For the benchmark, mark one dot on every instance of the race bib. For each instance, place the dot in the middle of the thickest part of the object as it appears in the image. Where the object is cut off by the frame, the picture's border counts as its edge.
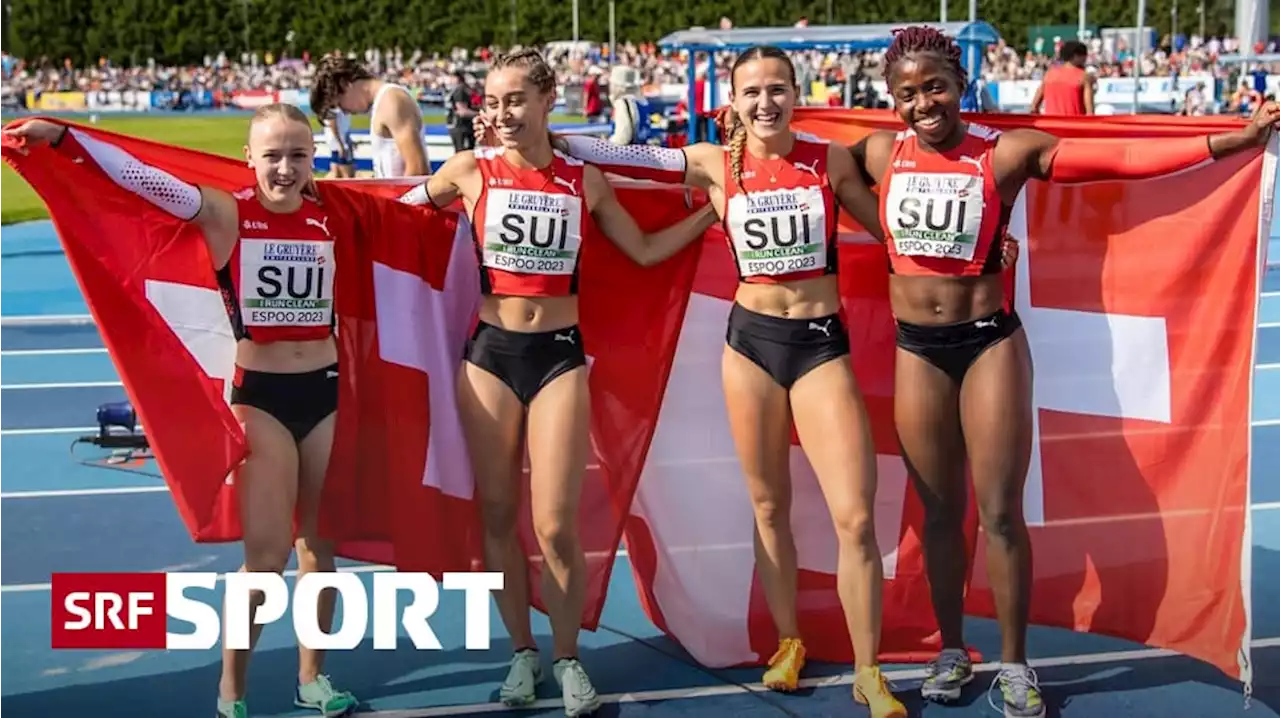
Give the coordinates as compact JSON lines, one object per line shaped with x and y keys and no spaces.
{"x":286,"y":282}
{"x":778,"y":231}
{"x":532,"y":232}
{"x":934,"y":215}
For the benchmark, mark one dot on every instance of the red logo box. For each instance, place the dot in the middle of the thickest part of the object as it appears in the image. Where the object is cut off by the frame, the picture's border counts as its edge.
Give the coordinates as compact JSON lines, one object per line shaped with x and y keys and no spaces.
{"x":108,"y":610}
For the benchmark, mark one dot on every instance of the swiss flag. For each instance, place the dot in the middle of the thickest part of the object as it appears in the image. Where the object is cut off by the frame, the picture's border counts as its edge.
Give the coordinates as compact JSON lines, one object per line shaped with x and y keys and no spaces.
{"x":696,"y":568}
{"x":399,"y":488}
{"x":1139,"y":302}
{"x":149,"y":284}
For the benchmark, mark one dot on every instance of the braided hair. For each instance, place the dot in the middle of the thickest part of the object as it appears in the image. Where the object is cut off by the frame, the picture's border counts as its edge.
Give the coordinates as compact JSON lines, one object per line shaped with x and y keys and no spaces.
{"x":537,"y":73}
{"x":540,"y":74}
{"x":735,"y":131}
{"x":920,"y":39}
{"x":334,"y":74}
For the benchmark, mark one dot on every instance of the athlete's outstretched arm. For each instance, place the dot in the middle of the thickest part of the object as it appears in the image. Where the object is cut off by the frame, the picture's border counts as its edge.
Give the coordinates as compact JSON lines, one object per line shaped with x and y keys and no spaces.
{"x":456,"y":178}
{"x":1032,"y":154}
{"x":851,"y":191}
{"x":691,"y":165}
{"x":688,"y":165}
{"x":209,"y":208}
{"x":622,"y":230}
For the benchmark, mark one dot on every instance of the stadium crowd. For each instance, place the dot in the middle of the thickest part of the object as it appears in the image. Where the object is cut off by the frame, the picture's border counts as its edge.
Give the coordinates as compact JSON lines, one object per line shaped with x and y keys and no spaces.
{"x":433,"y":75}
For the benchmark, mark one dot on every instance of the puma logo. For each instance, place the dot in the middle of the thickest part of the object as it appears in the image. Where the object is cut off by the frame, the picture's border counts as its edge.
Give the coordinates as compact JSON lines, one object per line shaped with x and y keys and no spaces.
{"x":975,"y":161}
{"x":312,"y":221}
{"x":824,"y":327}
{"x":985,"y":324}
{"x":811,"y":168}
{"x":564,"y":338}
{"x":566,"y":183}
{"x":331,"y":374}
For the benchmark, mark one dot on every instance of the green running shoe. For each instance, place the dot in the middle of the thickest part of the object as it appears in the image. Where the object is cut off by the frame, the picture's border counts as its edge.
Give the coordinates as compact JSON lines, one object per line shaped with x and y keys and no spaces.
{"x":232,"y":709}
{"x":320,"y":695}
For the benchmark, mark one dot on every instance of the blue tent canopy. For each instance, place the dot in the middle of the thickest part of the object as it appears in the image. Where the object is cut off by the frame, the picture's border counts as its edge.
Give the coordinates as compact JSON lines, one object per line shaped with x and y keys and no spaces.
{"x":972,"y":37}
{"x":821,"y":37}
{"x":1237,"y":58}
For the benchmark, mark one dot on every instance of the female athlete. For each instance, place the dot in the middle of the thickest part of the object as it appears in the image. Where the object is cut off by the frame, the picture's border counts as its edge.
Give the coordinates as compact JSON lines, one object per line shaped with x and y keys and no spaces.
{"x":285,"y":391}
{"x":787,"y":353}
{"x":525,"y":370}
{"x":963,"y":372}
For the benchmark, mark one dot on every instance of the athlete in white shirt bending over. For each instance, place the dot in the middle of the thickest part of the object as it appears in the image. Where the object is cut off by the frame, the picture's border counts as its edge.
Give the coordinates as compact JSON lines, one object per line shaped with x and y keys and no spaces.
{"x":395,"y":121}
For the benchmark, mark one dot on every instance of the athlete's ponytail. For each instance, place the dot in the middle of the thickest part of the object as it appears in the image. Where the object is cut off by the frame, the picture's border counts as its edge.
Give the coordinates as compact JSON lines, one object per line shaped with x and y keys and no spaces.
{"x":737,"y":146}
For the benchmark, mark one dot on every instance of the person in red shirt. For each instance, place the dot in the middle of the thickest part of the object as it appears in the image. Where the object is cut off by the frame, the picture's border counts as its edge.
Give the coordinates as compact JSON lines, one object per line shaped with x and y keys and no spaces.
{"x":524,"y":377}
{"x":786,"y":355}
{"x":592,"y":101}
{"x":963,"y":373}
{"x":1067,"y":88}
{"x":272,"y":248}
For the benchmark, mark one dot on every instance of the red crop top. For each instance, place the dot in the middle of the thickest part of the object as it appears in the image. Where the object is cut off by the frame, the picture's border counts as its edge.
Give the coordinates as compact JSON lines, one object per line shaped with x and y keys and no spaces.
{"x":941,"y":211}
{"x":278,"y":284}
{"x":781,"y":223}
{"x":529,"y":225}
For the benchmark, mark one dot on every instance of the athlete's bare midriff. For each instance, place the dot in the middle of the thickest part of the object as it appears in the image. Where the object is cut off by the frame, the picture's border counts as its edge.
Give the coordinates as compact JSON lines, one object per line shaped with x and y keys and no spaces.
{"x":529,"y":314}
{"x":801,"y":299}
{"x":286,"y":357}
{"x":945,"y":300}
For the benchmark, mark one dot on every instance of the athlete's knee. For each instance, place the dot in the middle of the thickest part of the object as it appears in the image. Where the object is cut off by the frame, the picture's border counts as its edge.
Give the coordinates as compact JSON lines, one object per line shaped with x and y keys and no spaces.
{"x":1002,"y":519}
{"x":267,"y":556}
{"x":943,"y":519}
{"x":772,"y":509}
{"x":557,"y":535}
{"x":499,"y":516}
{"x":855,"y":529}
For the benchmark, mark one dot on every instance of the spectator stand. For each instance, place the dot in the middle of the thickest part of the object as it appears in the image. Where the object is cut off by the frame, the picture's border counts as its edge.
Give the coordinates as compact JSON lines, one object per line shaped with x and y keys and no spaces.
{"x":972,"y":36}
{"x":1242,"y":66}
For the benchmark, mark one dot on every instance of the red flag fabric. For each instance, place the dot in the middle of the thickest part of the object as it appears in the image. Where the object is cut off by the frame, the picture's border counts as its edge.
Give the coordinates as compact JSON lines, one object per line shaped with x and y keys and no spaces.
{"x":1143,"y":351}
{"x":406,"y":291}
{"x":1139,"y":302}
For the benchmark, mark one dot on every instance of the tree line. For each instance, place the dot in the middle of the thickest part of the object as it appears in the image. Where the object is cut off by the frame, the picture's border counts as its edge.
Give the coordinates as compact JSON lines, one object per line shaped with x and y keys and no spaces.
{"x":171,"y":32}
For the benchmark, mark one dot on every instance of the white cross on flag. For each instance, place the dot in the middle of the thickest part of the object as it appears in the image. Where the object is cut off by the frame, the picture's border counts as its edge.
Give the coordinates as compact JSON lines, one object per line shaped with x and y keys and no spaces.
{"x":399,"y":486}
{"x":1138,"y":301}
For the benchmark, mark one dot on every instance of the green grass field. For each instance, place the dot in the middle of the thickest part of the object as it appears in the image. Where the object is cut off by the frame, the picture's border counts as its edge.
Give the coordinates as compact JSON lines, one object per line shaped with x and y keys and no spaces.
{"x":223,"y":135}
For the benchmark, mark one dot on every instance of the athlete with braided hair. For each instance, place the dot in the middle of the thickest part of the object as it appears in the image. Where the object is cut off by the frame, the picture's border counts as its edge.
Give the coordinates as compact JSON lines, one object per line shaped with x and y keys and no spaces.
{"x":524,"y":378}
{"x":963,"y":373}
{"x":786,"y":358}
{"x":395,"y":120}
